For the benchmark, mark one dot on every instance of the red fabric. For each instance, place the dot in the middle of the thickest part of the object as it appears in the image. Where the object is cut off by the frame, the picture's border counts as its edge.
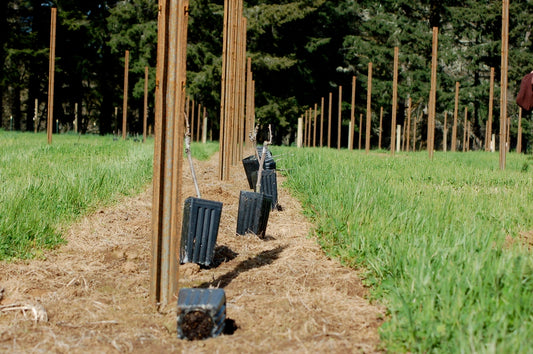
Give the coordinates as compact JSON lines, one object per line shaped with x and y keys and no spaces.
{"x":525,"y":95}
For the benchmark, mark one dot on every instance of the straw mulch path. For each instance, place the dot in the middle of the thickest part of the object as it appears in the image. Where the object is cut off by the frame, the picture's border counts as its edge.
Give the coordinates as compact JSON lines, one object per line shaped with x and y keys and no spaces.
{"x":92,"y":294}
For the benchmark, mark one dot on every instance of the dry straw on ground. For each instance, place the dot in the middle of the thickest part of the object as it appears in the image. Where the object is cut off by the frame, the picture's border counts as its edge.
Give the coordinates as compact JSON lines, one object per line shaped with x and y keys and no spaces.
{"x":283,"y":293}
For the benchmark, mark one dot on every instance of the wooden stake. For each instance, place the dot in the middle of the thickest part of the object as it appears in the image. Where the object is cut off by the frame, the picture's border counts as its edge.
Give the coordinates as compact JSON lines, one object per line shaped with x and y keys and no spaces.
{"x":117,"y":127}
{"x":445,"y":137}
{"x":368,"y":108}
{"x":192,"y":119}
{"x":329,"y":118}
{"x":503,"y":84}
{"x":508,"y":145}
{"x":76,"y":120}
{"x":241,"y":85}
{"x":145,"y":111}
{"x":249,"y":112}
{"x":408,"y":130}
{"x":168,"y":149}
{"x":455,"y":118}
{"x":125,"y":95}
{"x":300,"y":133}
{"x":204,"y":127}
{"x":305,"y":129}
{"x":360,"y":130}
{"x":234,"y":28}
{"x":404,"y":138}
{"x":414,"y":130}
{"x":321,"y":120}
{"x":314,"y":127}
{"x":398,"y":136}
{"x":352,"y":116}
{"x":51,"y":75}
{"x":488,"y":131}
{"x":222,"y":160}
{"x":394,"y":101}
{"x":433,"y":95}
{"x":198,"y":120}
{"x":339,"y":121}
{"x":465,"y":129}
{"x":310,"y":142}
{"x":468,"y":127}
{"x":36,"y":115}
{"x":519,"y":137}
{"x":309,"y":126}
{"x":380,"y":127}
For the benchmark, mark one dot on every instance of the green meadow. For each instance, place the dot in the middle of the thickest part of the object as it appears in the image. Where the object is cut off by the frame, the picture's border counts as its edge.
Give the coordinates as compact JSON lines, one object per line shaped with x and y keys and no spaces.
{"x":434,"y":238}
{"x":430,"y":236}
{"x":44,"y":188}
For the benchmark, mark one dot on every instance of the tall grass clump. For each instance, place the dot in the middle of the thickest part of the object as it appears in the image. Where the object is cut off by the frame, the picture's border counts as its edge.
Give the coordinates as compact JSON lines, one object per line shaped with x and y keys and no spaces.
{"x":433,"y":237}
{"x":202,"y":151}
{"x":43,"y":187}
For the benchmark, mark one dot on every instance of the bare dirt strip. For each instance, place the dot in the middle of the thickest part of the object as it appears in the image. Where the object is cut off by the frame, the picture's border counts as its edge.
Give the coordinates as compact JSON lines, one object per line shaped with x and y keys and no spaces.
{"x":92,"y":294}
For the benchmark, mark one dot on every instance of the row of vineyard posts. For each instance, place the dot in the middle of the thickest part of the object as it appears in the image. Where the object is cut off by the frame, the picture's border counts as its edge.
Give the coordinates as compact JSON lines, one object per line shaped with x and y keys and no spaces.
{"x":196,"y":128}
{"x":315,"y":125}
{"x":237,"y":103}
{"x":237,"y":120}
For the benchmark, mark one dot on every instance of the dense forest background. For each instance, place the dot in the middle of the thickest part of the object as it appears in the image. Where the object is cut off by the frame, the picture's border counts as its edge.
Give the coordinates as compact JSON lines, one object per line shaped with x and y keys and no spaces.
{"x":301,"y":51}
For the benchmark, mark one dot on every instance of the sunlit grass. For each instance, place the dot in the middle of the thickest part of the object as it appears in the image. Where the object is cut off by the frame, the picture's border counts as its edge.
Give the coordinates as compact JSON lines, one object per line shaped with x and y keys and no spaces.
{"x":204,"y":152}
{"x":45,"y":186}
{"x":430,"y":235}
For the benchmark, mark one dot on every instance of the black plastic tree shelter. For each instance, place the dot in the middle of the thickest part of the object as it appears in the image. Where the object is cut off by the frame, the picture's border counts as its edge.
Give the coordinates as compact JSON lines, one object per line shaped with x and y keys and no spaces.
{"x":201,"y":220}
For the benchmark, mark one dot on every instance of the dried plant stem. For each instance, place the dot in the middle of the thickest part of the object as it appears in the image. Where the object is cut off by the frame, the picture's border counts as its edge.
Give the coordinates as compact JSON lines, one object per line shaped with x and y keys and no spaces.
{"x":189,"y":156}
{"x":262,"y":160}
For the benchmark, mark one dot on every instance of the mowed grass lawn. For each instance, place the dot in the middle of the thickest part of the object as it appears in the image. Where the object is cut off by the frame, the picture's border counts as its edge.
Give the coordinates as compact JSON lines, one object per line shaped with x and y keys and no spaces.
{"x":441,"y":241}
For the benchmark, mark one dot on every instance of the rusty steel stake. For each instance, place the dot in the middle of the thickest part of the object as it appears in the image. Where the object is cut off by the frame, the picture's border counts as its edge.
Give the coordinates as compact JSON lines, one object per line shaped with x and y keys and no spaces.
{"x":394,"y":100}
{"x":145,"y":111}
{"x":352,"y":116}
{"x":51,"y":74}
{"x":488,"y":133}
{"x":503,"y":83}
{"x":321,"y":120}
{"x":168,"y":149}
{"x":368,"y":108}
{"x":125,"y":97}
{"x":432,"y":95}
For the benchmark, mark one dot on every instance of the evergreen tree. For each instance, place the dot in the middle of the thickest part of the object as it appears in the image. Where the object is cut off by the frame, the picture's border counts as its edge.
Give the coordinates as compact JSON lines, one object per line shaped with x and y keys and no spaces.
{"x":204,"y":56}
{"x":133,"y":26}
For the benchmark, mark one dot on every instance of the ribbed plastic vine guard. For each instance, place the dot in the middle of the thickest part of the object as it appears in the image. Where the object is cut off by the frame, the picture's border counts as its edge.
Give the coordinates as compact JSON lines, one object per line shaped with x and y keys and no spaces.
{"x":254,"y":210}
{"x":201,"y":219}
{"x":269,"y":185}
{"x":251,"y":166}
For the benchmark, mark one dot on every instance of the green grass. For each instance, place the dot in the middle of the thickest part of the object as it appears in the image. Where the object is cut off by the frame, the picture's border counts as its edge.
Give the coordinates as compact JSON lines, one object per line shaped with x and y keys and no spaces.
{"x":430,"y":236}
{"x":204,"y":152}
{"x":45,"y":187}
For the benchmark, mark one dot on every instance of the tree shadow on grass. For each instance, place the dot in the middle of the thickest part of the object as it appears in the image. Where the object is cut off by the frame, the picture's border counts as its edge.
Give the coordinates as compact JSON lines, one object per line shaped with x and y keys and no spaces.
{"x":262,"y":259}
